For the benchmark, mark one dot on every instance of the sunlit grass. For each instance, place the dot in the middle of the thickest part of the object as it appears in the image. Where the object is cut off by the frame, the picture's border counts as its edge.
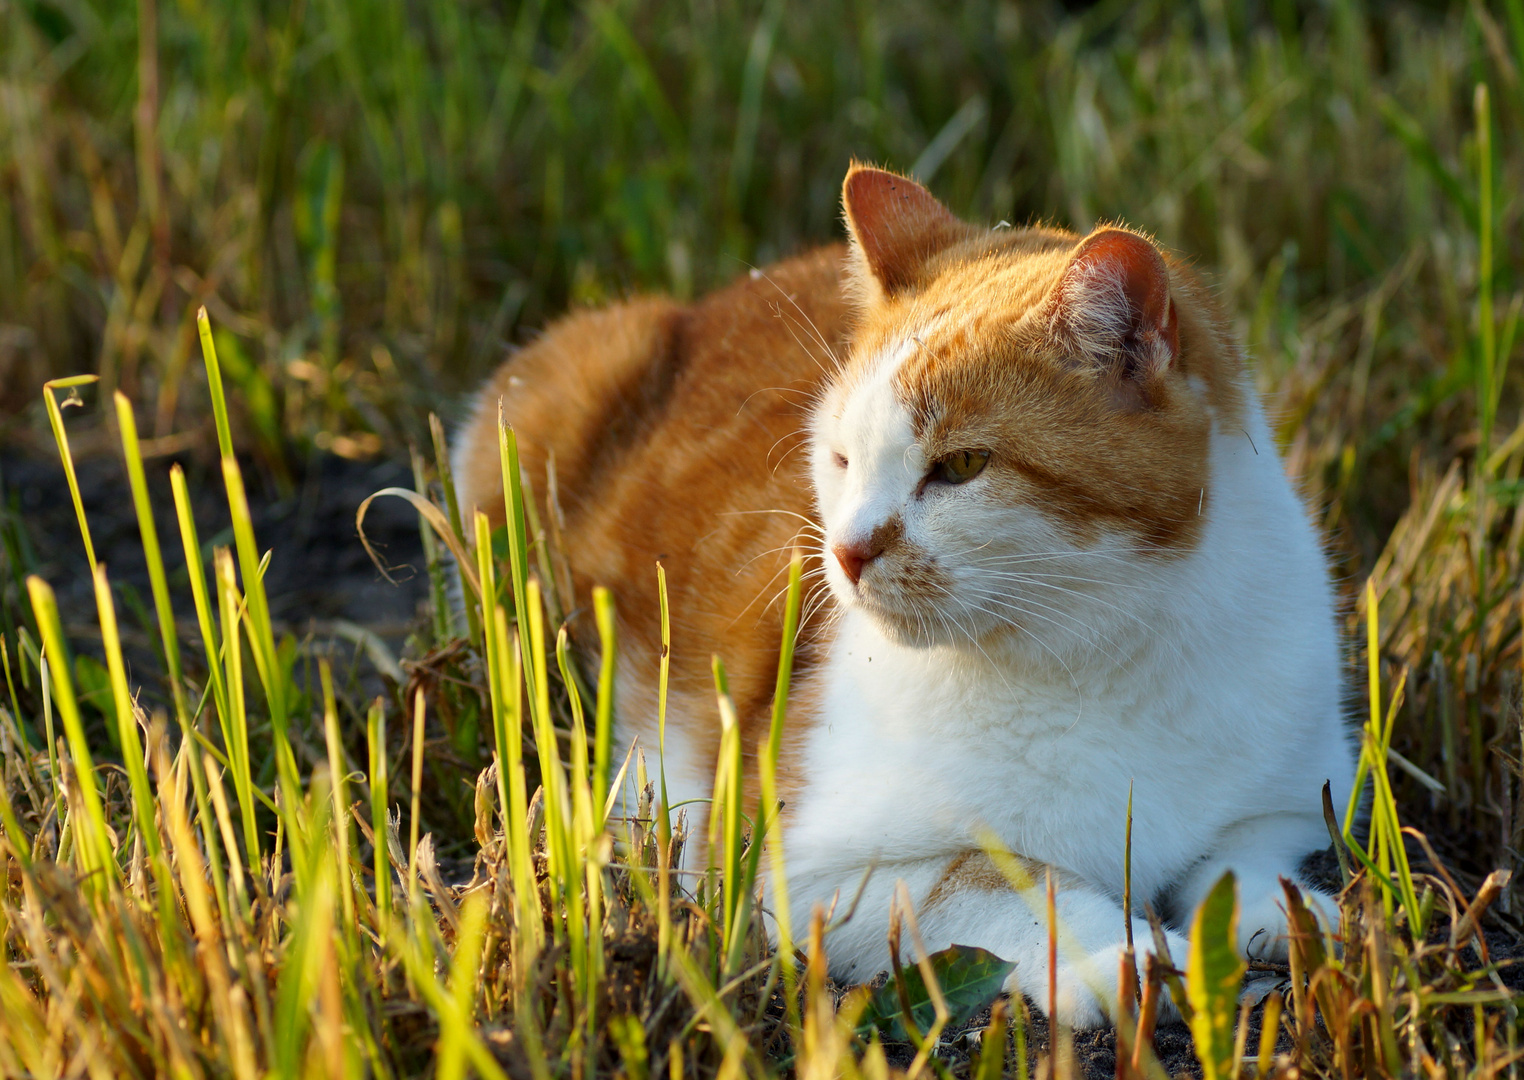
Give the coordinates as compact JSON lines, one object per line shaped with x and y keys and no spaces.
{"x":301,"y":963}
{"x":218,"y":862}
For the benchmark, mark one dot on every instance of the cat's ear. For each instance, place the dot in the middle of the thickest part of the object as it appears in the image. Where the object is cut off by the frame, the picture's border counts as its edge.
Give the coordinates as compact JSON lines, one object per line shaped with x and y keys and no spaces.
{"x":1112,"y":307}
{"x":896,"y":225}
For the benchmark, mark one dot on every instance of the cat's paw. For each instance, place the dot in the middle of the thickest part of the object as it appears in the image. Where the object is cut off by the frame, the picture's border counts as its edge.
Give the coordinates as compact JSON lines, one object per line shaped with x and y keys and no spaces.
{"x":1087,"y":987}
{"x":1087,"y":991}
{"x":1263,"y":933}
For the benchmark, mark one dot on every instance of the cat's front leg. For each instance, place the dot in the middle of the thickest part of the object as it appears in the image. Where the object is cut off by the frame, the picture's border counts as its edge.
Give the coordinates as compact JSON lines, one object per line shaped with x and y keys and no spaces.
{"x":1260,"y":852}
{"x":975,"y":902}
{"x":965,"y":899}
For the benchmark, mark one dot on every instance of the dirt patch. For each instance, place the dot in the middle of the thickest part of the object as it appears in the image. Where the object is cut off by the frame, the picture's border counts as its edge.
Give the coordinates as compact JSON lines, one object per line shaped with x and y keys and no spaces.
{"x":319,"y":572}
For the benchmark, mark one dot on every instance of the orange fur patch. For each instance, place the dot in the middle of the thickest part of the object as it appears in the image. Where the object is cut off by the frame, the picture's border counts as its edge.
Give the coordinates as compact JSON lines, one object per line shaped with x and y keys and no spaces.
{"x":972,"y":871}
{"x":679,"y":436}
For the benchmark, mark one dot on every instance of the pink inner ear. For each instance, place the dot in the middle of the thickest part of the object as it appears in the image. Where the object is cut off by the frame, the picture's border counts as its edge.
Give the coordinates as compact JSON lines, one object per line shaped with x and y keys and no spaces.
{"x":896,"y":223}
{"x":1133,"y":262}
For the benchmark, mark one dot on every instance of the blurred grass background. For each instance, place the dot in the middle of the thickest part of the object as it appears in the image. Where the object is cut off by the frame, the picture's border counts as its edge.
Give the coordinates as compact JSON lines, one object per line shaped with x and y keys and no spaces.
{"x":375,"y":199}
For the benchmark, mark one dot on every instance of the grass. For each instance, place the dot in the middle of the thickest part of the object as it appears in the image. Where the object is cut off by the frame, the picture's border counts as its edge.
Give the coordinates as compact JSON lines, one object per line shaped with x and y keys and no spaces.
{"x":238,"y":867}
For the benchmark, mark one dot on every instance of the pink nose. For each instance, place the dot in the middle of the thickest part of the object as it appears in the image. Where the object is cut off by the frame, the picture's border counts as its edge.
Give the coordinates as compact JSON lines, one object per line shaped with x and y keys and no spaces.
{"x":854,"y":556}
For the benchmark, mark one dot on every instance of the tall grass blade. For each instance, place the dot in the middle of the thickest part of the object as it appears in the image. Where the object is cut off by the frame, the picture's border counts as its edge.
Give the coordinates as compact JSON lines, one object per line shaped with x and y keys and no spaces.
{"x":133,"y":760}
{"x":769,"y":813}
{"x":380,"y":794}
{"x":55,"y":420}
{"x":518,"y":549}
{"x":338,"y":779}
{"x":169,"y":635}
{"x":91,"y":836}
{"x":214,"y":384}
{"x":235,"y":729}
{"x":603,"y":724}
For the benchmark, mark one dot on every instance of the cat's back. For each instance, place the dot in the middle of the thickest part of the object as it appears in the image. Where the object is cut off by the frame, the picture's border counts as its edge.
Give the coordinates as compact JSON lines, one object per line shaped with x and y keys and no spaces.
{"x":676,"y":433}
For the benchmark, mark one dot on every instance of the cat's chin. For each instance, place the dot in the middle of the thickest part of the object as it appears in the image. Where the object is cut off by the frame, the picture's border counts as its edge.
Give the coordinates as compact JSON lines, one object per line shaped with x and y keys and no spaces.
{"x":911,"y":631}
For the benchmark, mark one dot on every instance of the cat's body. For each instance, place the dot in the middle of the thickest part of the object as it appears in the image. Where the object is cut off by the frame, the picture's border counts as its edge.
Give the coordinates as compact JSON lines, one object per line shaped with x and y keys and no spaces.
{"x":1061,"y":558}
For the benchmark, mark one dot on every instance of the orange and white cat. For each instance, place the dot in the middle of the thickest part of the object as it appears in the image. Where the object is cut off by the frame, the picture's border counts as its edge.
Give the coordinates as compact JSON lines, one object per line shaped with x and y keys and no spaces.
{"x":1055,"y":551}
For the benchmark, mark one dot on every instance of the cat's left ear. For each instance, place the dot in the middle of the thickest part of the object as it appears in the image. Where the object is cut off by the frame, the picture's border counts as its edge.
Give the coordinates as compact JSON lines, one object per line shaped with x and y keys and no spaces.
{"x":896,"y":225}
{"x":1112,"y":307}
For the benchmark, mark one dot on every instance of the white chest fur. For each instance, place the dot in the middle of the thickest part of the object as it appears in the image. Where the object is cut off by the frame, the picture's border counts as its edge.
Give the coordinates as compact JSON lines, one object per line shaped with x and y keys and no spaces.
{"x":1218,"y":699}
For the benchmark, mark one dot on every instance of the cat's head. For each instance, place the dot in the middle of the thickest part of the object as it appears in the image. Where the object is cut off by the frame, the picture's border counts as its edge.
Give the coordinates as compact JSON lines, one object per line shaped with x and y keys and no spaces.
{"x":1021,"y":427}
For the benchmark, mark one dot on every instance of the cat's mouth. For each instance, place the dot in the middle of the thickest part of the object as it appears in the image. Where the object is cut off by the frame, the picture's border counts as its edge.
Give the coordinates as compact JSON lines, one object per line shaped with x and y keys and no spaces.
{"x":906,"y":604}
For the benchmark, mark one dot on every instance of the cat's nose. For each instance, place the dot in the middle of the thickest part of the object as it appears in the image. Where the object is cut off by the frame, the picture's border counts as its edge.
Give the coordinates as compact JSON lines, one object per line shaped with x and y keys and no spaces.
{"x":853,"y":557}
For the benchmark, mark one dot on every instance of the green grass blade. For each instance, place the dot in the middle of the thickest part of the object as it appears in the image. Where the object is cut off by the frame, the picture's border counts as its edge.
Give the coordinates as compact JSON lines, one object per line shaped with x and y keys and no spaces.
{"x":169,"y":634}
{"x":455,"y":1034}
{"x":1486,"y":320}
{"x":143,"y":803}
{"x":20,"y":845}
{"x":603,"y":737}
{"x":664,"y":817}
{"x":337,"y":774}
{"x":214,"y":384}
{"x":526,"y":889}
{"x":55,"y":421}
{"x":235,"y":731}
{"x":577,"y":775}
{"x":518,"y":551}
{"x":256,"y":619}
{"x":768,"y":813}
{"x":493,"y":627}
{"x":664,"y":805}
{"x":375,"y":737}
{"x":414,"y":898}
{"x":91,"y":836}
{"x":456,"y":1030}
{"x":196,"y":570}
{"x":149,"y":535}
{"x":10,"y":686}
{"x":310,"y":950}
{"x":452,"y":510}
{"x":260,"y":634}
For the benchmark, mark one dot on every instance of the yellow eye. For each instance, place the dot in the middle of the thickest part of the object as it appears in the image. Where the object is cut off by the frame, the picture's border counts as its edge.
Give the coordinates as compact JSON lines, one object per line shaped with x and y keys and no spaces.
{"x":961,"y":466}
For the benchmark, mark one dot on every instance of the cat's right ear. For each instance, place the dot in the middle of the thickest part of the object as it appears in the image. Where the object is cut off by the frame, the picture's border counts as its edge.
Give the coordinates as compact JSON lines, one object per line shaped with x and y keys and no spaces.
{"x":1112,"y":308}
{"x":895,"y":225}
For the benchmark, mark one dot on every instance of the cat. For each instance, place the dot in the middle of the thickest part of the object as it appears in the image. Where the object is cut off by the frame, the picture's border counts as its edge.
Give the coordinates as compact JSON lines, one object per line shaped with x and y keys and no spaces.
{"x":1054,"y":557}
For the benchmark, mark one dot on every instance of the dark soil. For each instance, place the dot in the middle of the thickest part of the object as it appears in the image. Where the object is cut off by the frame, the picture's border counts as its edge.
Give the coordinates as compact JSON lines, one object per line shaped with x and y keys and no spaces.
{"x":319,"y":572}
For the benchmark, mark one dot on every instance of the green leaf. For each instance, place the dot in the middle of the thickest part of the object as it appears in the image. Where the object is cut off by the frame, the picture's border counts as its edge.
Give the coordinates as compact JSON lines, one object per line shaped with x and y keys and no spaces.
{"x":1212,"y":977}
{"x":970,"y":979}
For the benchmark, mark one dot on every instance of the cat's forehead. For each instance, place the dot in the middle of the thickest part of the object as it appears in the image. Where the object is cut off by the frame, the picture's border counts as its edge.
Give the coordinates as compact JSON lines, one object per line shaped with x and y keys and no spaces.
{"x":975,"y":307}
{"x":873,"y":415}
{"x":972,"y":287}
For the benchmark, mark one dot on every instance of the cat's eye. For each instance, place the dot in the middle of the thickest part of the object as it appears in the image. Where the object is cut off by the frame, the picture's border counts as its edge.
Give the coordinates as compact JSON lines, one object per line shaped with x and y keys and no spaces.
{"x":840,"y":460}
{"x":960,"y":466}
